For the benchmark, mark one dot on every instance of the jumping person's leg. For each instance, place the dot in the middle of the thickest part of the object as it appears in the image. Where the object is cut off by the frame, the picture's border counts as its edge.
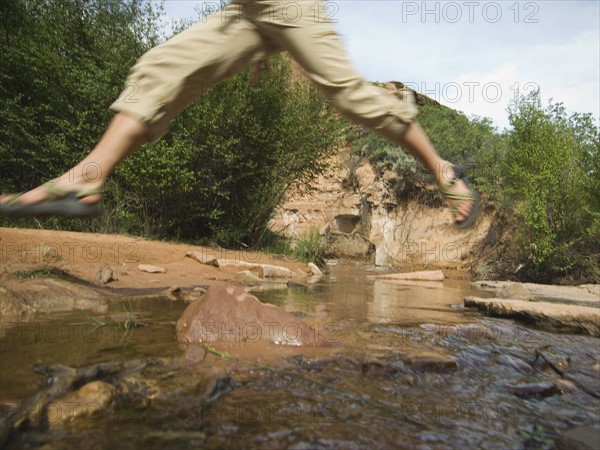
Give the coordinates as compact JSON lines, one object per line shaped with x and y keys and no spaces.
{"x":121,"y":138}
{"x":162,"y":83}
{"x":314,"y":43}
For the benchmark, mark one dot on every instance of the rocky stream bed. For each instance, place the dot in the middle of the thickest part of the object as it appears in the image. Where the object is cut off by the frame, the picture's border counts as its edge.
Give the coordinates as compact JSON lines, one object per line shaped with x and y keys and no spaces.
{"x":348,"y":361}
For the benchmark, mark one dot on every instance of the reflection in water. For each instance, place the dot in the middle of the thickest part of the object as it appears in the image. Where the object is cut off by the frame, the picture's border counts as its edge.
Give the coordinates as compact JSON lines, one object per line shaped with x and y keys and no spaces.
{"x":426,"y":302}
{"x":354,"y":297}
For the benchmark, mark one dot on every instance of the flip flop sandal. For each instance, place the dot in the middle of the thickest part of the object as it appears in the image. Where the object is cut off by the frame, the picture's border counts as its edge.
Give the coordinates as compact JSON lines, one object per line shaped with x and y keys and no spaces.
{"x":60,"y":203}
{"x":472,"y":196}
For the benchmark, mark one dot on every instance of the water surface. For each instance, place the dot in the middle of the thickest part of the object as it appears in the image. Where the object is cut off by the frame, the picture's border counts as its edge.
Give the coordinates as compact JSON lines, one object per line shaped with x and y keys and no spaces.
{"x":358,"y":393}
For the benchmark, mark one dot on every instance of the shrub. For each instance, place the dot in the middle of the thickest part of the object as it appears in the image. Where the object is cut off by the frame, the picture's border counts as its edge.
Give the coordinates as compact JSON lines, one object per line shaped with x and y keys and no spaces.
{"x":552,"y":173}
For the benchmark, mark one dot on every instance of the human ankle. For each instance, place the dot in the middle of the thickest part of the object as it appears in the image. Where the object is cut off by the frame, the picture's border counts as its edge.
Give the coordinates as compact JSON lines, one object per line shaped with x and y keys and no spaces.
{"x":89,"y":173}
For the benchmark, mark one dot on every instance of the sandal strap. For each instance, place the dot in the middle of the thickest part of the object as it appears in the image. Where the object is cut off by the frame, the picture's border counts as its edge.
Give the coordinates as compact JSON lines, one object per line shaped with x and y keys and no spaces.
{"x":54,"y":192}
{"x":460,"y":198}
{"x":13,"y":200}
{"x":457,"y":196}
{"x":87,"y":192}
{"x":458,"y":173}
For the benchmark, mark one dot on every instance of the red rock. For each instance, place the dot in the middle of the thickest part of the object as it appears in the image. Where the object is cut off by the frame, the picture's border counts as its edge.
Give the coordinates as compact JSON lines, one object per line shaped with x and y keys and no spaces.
{"x":227,"y":313}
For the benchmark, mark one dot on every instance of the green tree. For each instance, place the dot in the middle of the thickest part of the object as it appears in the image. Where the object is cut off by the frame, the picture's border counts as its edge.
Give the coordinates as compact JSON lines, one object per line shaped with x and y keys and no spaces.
{"x":218,"y":174}
{"x":232,"y":155}
{"x":551,"y":171}
{"x":62,"y":62}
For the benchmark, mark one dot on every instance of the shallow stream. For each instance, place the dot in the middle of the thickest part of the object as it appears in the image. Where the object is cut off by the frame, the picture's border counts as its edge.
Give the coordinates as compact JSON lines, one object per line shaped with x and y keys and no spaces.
{"x":362,"y":391}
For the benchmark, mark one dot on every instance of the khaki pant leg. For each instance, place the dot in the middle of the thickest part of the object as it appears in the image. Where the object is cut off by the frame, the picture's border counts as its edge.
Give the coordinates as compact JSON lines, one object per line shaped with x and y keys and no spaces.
{"x":312,"y":40}
{"x":170,"y":76}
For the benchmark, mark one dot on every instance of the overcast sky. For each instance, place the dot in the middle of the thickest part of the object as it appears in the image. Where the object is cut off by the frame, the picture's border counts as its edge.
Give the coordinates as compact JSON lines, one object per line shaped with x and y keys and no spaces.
{"x":474,"y":56}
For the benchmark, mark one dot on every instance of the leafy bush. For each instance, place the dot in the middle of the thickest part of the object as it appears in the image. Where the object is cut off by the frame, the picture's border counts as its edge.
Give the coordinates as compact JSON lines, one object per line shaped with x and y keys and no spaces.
{"x":472,"y":142}
{"x":62,"y":62}
{"x":218,"y":175}
{"x":231,"y":157}
{"x":552,"y":173}
{"x":544,"y":172}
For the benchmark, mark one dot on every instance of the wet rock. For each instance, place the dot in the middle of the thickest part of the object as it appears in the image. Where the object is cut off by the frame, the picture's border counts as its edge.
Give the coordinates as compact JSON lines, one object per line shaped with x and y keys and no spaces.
{"x":315,"y":270}
{"x":173,"y":293}
{"x":51,"y":295}
{"x":532,"y":390}
{"x":585,"y":295}
{"x":151,"y":269}
{"x":425,"y":275}
{"x":549,"y":316}
{"x":193,"y":354}
{"x":258,"y":271}
{"x":380,"y":369}
{"x":227,"y":313}
{"x":213,"y":383}
{"x":203,"y":258}
{"x":247,"y":277}
{"x":268,"y":270}
{"x":431,"y":362}
{"x":90,"y":401}
{"x":137,"y":391}
{"x":578,"y":438}
{"x":105,"y":275}
{"x":196,"y":294}
{"x":574,"y":295}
